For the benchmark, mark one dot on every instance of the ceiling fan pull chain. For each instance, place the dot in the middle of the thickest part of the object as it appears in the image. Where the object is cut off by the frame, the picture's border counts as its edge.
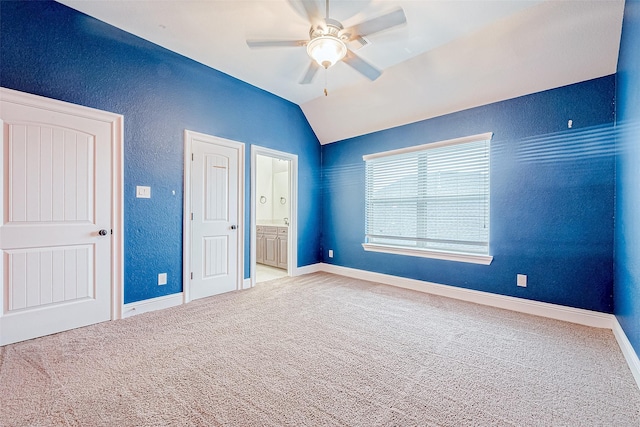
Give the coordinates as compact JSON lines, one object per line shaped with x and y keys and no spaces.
{"x":325,"y":83}
{"x":327,"y":9}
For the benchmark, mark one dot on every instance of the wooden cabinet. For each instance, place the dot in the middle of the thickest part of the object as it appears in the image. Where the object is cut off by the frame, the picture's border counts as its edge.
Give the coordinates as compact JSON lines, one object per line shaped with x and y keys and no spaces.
{"x":282,"y":246}
{"x":260,"y":245}
{"x":272,"y":245}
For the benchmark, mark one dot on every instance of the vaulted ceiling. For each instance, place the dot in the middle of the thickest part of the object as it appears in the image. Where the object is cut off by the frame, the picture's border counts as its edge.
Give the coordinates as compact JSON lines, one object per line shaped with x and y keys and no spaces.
{"x":450,"y":55}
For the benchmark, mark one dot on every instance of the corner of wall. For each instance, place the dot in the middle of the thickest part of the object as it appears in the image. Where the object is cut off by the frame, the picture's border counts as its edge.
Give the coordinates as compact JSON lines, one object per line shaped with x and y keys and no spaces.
{"x":627,"y":350}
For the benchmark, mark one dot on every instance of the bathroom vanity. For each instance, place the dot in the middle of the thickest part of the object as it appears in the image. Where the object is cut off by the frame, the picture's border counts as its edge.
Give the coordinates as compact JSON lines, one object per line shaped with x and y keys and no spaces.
{"x":272,"y":245}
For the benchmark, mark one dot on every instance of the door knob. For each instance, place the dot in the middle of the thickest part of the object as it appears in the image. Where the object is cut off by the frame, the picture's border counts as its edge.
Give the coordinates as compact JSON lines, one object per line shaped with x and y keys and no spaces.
{"x":103,"y":232}
{"x":233,"y":227}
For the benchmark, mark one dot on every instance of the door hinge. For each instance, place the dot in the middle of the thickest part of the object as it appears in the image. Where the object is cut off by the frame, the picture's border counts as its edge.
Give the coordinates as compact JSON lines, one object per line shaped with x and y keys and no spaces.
{"x":191,"y":216}
{"x":192,"y":157}
{"x":112,"y":231}
{"x":192,"y":275}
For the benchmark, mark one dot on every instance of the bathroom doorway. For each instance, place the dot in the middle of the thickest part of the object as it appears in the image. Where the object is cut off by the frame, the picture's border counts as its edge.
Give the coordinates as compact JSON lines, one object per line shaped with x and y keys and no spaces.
{"x":273,"y":214}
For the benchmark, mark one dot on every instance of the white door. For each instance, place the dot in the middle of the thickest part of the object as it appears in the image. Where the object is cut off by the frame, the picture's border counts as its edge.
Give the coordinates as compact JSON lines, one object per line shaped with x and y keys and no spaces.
{"x":216,"y":215}
{"x":55,"y":235}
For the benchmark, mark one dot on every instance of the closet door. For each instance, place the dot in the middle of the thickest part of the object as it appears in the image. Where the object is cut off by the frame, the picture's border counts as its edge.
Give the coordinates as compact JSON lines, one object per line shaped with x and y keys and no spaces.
{"x":56,"y":232}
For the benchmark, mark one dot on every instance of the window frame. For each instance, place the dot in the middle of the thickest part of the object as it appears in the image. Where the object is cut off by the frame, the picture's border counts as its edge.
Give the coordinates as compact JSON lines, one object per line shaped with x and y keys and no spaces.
{"x":422,"y":252}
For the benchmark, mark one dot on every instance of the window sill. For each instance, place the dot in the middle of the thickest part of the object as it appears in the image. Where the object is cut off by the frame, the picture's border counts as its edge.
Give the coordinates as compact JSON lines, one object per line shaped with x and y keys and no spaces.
{"x":425,"y":253}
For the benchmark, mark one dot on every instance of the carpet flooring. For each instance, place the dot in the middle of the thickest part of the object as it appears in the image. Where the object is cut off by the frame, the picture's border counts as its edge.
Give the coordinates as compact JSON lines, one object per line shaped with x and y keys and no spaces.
{"x":321,"y":350}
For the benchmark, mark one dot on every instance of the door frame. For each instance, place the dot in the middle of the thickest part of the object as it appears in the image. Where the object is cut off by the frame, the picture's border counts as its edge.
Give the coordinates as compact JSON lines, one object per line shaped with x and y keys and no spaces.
{"x":189,"y":135}
{"x":292,"y":235}
{"x":116,"y":122}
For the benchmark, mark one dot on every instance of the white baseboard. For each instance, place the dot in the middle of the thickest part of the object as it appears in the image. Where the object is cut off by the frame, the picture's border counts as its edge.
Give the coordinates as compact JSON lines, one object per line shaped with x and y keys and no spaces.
{"x":152,"y":304}
{"x":627,"y":350}
{"x":308,"y":269}
{"x":553,"y":311}
{"x":246,"y":283}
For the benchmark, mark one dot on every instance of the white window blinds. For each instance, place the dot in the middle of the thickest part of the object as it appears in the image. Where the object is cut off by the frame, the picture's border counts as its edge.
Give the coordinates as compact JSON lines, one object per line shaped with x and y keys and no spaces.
{"x":432,"y":197}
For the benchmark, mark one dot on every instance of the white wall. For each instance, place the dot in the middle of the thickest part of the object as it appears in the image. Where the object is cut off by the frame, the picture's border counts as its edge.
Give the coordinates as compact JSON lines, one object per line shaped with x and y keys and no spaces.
{"x":272,"y":183}
{"x":264,"y":185}
{"x":281,"y":195}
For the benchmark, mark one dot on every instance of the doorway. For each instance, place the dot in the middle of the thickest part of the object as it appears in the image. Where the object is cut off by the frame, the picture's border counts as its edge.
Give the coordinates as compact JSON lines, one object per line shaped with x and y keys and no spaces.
{"x":273,"y":214}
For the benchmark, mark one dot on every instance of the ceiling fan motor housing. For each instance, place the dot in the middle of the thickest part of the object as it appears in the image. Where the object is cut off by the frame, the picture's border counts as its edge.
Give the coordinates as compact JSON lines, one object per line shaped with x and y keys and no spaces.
{"x":327,"y":45}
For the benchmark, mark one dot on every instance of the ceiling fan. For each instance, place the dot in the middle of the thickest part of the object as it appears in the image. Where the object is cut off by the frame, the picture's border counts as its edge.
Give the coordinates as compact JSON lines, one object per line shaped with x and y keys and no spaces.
{"x":328,"y":40}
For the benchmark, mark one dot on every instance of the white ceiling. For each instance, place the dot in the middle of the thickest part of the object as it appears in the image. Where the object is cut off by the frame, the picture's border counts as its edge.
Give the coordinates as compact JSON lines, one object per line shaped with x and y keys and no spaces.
{"x":450,"y":55}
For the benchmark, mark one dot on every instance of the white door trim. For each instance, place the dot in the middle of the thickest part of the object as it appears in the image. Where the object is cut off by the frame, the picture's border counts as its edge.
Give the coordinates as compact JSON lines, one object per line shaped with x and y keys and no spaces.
{"x":186,"y":214}
{"x":116,"y":121}
{"x":292,"y":244}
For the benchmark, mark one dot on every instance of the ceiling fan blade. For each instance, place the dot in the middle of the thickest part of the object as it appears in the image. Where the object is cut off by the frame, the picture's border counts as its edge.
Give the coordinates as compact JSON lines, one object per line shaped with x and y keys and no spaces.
{"x":372,"y":26}
{"x":310,"y":74}
{"x":257,"y":44}
{"x":362,"y":66}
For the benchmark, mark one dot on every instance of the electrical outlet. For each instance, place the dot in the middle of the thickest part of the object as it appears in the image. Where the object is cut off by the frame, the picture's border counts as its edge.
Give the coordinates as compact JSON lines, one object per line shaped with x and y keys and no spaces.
{"x":521,"y":280}
{"x":330,"y":253}
{"x":162,"y":279}
{"x":143,"y":192}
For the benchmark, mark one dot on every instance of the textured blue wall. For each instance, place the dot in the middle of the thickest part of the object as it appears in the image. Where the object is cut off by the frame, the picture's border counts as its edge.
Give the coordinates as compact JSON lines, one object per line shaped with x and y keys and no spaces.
{"x":51,"y":50}
{"x":552,"y":197}
{"x":627,"y":229}
{"x":552,"y":187}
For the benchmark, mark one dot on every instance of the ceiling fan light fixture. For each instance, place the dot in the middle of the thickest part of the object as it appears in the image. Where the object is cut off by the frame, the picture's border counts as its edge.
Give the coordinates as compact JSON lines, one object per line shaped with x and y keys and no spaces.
{"x":326,"y":50}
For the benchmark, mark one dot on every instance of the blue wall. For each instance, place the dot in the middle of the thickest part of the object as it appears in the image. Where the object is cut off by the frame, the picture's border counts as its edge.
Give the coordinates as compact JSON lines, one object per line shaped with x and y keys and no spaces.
{"x":627,"y":227}
{"x":552,"y":188}
{"x":552,"y":197}
{"x":51,"y":50}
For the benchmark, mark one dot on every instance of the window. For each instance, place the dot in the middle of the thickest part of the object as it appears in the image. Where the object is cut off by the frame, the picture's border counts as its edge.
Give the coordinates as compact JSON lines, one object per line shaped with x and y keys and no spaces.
{"x":431,"y":200}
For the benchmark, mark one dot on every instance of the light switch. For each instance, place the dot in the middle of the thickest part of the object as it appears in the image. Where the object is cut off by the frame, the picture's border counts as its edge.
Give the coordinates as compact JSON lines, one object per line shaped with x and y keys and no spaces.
{"x":143,"y":192}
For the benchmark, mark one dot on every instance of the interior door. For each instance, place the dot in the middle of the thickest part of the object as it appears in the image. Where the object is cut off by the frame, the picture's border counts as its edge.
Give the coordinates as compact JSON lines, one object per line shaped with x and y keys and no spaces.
{"x":215,"y":237}
{"x":55,"y":236}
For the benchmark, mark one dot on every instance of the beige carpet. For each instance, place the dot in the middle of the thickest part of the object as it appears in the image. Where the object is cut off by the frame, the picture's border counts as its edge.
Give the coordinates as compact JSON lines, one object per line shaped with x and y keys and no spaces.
{"x":321,"y":350}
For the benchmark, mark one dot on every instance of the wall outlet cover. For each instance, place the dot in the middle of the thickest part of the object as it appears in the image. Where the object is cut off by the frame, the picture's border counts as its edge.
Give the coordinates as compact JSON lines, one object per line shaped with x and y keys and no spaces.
{"x":143,"y":192}
{"x":521,"y":280}
{"x":162,"y":279}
